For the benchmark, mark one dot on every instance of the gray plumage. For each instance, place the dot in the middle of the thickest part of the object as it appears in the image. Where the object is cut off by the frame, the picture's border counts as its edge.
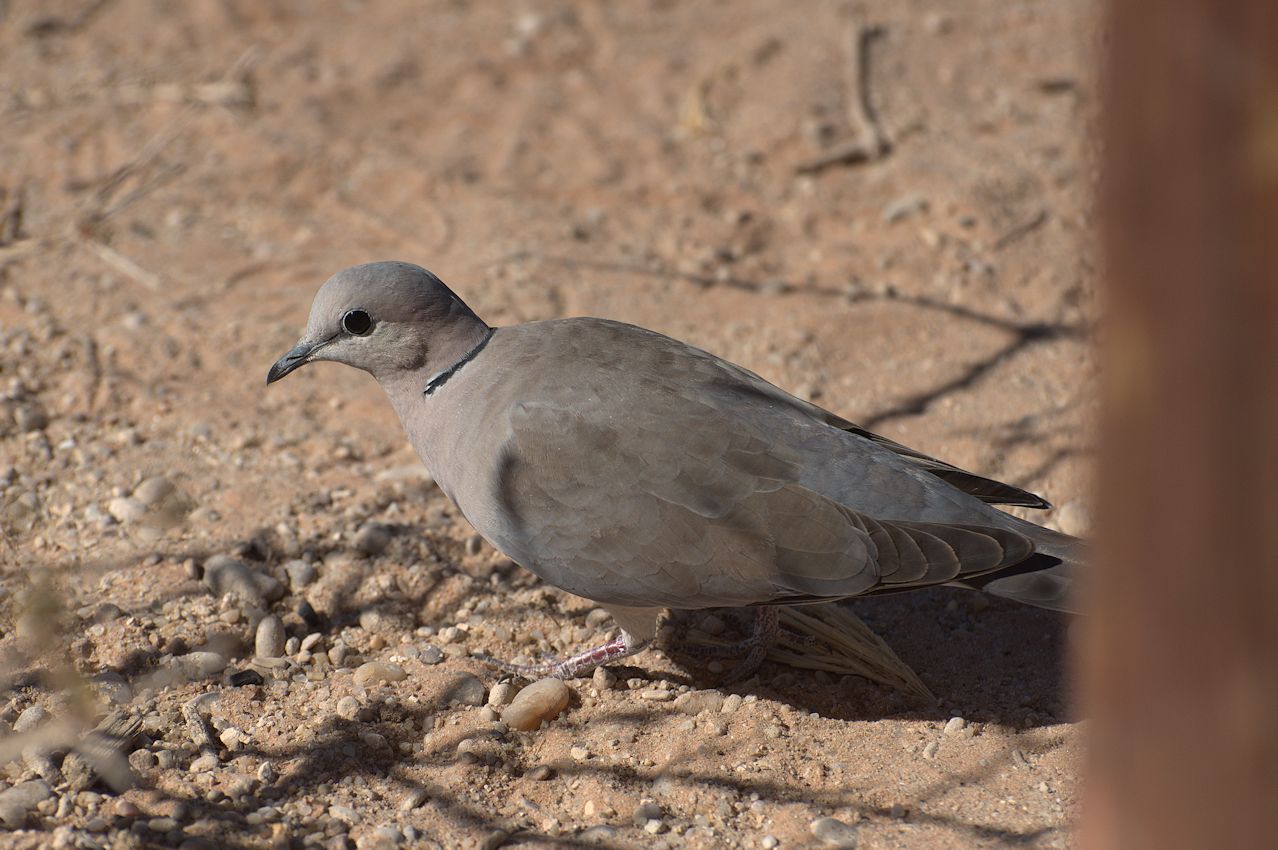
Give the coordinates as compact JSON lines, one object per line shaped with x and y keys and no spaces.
{"x":634,"y":470}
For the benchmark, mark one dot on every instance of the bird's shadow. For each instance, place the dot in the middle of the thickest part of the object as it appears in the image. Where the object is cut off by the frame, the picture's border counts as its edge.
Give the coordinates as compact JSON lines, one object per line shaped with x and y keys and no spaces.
{"x":983,"y":658}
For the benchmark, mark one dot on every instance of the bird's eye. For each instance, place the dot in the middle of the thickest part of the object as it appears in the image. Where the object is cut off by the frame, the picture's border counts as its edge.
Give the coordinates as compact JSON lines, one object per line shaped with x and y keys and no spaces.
{"x":357,"y":322}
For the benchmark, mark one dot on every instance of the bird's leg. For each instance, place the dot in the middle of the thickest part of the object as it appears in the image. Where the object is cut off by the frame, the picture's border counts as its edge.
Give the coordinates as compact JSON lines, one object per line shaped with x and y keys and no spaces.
{"x":619,"y":647}
{"x":762,"y":638}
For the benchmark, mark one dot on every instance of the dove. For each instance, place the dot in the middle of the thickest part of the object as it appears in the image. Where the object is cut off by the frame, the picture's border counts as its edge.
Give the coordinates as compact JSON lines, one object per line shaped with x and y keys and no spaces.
{"x":644,"y":474}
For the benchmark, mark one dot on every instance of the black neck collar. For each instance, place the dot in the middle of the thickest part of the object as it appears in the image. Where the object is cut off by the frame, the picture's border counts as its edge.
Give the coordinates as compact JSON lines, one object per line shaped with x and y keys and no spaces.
{"x":441,"y":378}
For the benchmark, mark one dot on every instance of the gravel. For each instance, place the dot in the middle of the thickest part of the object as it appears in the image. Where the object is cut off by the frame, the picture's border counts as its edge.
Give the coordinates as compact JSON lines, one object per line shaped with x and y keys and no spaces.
{"x":832,"y":832}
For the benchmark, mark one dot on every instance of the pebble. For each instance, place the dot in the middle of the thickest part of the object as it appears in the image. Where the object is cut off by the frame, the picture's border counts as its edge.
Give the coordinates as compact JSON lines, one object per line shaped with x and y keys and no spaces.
{"x":270,"y":637}
{"x":414,"y":798}
{"x":929,"y":752}
{"x":834,"y":833}
{"x":204,"y":764}
{"x":379,"y":673}
{"x":154,"y":490}
{"x":655,"y":695}
{"x":579,"y":753}
{"x":501,"y":694}
{"x":540,"y":773}
{"x":347,"y":708}
{"x":301,"y":575}
{"x":467,"y":690}
{"x":769,"y":842}
{"x":224,"y":575}
{"x":603,"y":679}
{"x":905,"y":206}
{"x":344,"y":813}
{"x":267,"y":773}
{"x":30,"y":718}
{"x":244,"y":678}
{"x":373,"y":539}
{"x":431,"y":655}
{"x":954,"y":726}
{"x":17,"y":803}
{"x":731,"y":703}
{"x":646,"y":811}
{"x":600,"y":834}
{"x":543,"y":700}
{"x":198,"y":664}
{"x":143,"y":760}
{"x":126,"y":509}
{"x":697,"y":702}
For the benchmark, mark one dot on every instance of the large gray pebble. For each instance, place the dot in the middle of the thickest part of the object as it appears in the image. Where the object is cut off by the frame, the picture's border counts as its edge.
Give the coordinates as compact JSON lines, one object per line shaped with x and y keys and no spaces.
{"x":18,"y":802}
{"x":227,"y":575}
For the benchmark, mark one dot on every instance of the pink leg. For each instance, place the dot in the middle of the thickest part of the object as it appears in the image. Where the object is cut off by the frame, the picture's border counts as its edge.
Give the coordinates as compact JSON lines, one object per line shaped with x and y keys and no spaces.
{"x":571,"y":667}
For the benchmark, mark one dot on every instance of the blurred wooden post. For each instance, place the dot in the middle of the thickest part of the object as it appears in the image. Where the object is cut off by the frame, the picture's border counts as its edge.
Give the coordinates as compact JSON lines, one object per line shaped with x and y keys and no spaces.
{"x":1180,"y":661}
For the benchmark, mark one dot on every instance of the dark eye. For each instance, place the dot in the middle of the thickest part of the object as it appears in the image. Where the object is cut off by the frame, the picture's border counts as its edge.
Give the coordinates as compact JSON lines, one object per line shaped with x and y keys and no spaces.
{"x":357,"y":322}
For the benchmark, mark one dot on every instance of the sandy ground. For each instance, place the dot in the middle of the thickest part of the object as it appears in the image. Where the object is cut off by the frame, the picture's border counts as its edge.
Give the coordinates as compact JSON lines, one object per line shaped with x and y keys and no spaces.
{"x":177,"y":179}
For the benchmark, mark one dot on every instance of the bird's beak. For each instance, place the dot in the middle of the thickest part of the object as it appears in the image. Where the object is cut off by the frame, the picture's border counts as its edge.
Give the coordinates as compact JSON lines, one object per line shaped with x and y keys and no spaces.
{"x":297,"y":355}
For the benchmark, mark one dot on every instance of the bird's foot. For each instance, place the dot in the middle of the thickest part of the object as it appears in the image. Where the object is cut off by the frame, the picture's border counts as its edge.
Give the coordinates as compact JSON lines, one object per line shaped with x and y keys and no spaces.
{"x":573,"y":666}
{"x":763,"y":636}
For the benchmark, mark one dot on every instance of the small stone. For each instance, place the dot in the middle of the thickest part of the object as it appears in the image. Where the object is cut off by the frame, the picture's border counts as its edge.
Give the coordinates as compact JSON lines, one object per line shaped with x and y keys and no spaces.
{"x":414,"y":798}
{"x":30,"y":718}
{"x":373,"y":539}
{"x":195,"y":665}
{"x":154,"y":490}
{"x":697,"y":702}
{"x":654,"y":827}
{"x":474,"y":544}
{"x":301,"y":575}
{"x":602,"y":679}
{"x":501,"y":694}
{"x":540,"y":773}
{"x":731,"y":703}
{"x":270,"y":637}
{"x":17,"y":803}
{"x":467,"y":690}
{"x":769,"y":842}
{"x":954,"y":726}
{"x":905,"y":206}
{"x":579,"y":753}
{"x":430,"y":655}
{"x":646,"y":811}
{"x":242,"y":678}
{"x":347,"y":708}
{"x":143,"y":760}
{"x":30,"y":417}
{"x":599,"y":834}
{"x":543,"y":700}
{"x":204,"y":764}
{"x":225,"y":575}
{"x":834,"y":833}
{"x":450,"y":634}
{"x":655,"y":695}
{"x":930,"y":751}
{"x":125,"y":509}
{"x":345,"y":814}
{"x":378,"y":673}
{"x":267,"y":773}
{"x":161,"y":824}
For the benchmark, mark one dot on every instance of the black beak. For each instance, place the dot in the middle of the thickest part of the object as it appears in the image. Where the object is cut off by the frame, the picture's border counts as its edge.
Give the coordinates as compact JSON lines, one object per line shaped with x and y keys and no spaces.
{"x":297,"y":355}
